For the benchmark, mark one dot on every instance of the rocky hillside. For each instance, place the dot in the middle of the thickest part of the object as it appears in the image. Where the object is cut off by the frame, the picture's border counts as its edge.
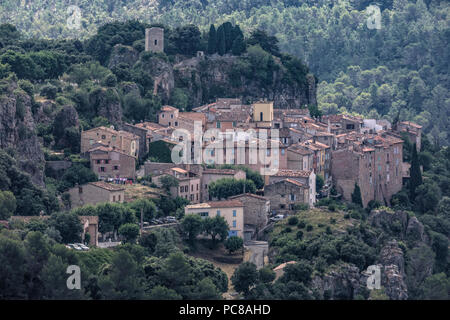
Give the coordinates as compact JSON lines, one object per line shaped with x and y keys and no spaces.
{"x":18,"y":129}
{"x":205,"y":78}
{"x":341,"y":246}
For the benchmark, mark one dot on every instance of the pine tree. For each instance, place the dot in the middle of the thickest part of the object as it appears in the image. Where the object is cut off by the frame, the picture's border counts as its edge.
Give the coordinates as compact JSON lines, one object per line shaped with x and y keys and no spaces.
{"x":221,"y":47}
{"x":212,"y":40}
{"x":356,"y":195}
{"x":415,"y":179}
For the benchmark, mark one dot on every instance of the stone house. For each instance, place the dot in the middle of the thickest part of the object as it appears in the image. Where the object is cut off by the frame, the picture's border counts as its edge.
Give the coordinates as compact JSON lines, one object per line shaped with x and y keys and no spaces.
{"x":188,"y":184}
{"x":109,"y":163}
{"x":122,"y":141}
{"x":300,"y":158}
{"x":231,"y":210}
{"x":285,"y":194}
{"x":96,"y":192}
{"x":306,"y":178}
{"x":412,"y":130}
{"x":374,"y":161}
{"x":256,"y":213}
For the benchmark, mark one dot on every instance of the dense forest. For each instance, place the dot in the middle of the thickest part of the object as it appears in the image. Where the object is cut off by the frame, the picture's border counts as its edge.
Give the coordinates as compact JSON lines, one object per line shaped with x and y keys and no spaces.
{"x":401,"y":68}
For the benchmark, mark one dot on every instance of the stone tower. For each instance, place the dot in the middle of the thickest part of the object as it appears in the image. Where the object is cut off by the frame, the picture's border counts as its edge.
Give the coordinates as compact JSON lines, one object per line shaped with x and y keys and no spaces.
{"x":154,"y":39}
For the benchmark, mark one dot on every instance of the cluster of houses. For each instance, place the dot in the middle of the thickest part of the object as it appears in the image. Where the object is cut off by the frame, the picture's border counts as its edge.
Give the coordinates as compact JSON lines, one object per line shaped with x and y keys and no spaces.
{"x":342,"y":149}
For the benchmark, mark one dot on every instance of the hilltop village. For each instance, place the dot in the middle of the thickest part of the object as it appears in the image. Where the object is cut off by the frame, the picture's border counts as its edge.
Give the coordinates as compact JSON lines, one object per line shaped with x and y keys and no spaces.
{"x":342,"y":151}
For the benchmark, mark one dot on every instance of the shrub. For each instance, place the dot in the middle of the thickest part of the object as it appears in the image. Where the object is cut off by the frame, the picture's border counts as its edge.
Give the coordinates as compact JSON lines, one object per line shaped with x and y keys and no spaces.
{"x":309,"y":227}
{"x":293,"y":221}
{"x":234,"y":243}
{"x":299,"y":235}
{"x":301,"y":224}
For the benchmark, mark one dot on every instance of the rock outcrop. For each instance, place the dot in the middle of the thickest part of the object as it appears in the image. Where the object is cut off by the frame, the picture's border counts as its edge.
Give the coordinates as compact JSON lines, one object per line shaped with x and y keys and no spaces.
{"x":211,"y":77}
{"x":17,"y":131}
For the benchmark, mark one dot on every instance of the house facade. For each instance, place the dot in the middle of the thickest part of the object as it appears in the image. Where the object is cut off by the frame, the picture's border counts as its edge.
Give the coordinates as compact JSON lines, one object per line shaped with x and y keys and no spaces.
{"x":285,"y":194}
{"x":231,"y":210}
{"x":96,"y":192}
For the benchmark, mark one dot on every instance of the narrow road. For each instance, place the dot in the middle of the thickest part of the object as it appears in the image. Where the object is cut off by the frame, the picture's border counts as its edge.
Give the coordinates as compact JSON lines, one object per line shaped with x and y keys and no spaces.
{"x":259,"y":250}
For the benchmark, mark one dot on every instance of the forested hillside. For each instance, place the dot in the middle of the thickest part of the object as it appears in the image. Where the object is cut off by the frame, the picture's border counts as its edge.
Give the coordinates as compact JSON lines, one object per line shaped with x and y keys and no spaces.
{"x":401,"y":68}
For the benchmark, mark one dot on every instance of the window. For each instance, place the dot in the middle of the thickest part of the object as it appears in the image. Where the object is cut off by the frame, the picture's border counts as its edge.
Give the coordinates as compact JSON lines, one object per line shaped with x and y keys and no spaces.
{"x":162,"y":115}
{"x":80,"y":189}
{"x":192,"y":187}
{"x":197,"y":186}
{"x":234,"y":223}
{"x":292,"y":197}
{"x":113,"y":138}
{"x":114,"y":198}
{"x":196,"y":196}
{"x":234,"y":124}
{"x":156,"y":42}
{"x":98,"y":161}
{"x":206,"y":186}
{"x":119,"y":197}
{"x":218,"y":124}
{"x":192,"y":197}
{"x":282,"y":206}
{"x":176,"y":123}
{"x":234,"y":213}
{"x":181,"y":189}
{"x":91,"y":141}
{"x":116,"y":167}
{"x":203,"y":214}
{"x":218,"y":213}
{"x":171,"y":116}
{"x":282,"y":152}
{"x":102,"y":169}
{"x":261,"y":116}
{"x":387,"y":177}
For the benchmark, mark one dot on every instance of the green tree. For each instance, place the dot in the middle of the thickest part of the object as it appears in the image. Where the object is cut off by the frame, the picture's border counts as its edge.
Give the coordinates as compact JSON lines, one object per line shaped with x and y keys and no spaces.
{"x":7,"y":204}
{"x":435,"y":287}
{"x":415,"y":179}
{"x":130,"y":232}
{"x":69,"y":226}
{"x":168,"y":182}
{"x":221,"y":45}
{"x":191,"y":225}
{"x":227,"y":187}
{"x":212,"y":40}
{"x":244,"y":277}
{"x":266,"y":275}
{"x":163,"y":293}
{"x":233,"y":244}
{"x":356,"y":195}
{"x":216,"y":227}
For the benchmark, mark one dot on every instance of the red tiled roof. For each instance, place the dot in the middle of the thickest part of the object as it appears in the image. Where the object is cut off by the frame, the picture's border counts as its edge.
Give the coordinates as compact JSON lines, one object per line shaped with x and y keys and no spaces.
{"x":292,"y":173}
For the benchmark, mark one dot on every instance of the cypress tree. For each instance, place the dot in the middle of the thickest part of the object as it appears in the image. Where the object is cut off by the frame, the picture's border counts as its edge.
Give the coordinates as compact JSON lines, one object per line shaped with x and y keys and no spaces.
{"x":356,"y":195}
{"x":212,"y":40}
{"x":238,"y":46}
{"x":228,"y":30}
{"x":221,"y":47}
{"x":415,"y":179}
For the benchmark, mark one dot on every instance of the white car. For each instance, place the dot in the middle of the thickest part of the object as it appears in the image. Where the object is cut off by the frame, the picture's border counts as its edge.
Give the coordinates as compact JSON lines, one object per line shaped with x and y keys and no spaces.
{"x":82,"y":246}
{"x":278,"y":217}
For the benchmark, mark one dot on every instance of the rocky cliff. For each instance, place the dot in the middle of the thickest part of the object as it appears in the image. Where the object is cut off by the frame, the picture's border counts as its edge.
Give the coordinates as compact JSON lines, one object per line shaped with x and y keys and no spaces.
{"x":17,"y":129}
{"x":205,"y":78}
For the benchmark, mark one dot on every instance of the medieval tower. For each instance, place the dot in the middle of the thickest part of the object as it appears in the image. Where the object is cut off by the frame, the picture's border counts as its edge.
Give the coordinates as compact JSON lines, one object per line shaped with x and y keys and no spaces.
{"x":154,"y":39}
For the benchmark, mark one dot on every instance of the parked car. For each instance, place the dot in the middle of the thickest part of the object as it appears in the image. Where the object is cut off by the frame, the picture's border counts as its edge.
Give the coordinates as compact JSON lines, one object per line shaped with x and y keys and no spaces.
{"x":171,"y":219}
{"x":278,"y":217}
{"x":153,"y":222}
{"x":75,"y":247}
{"x":82,"y":246}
